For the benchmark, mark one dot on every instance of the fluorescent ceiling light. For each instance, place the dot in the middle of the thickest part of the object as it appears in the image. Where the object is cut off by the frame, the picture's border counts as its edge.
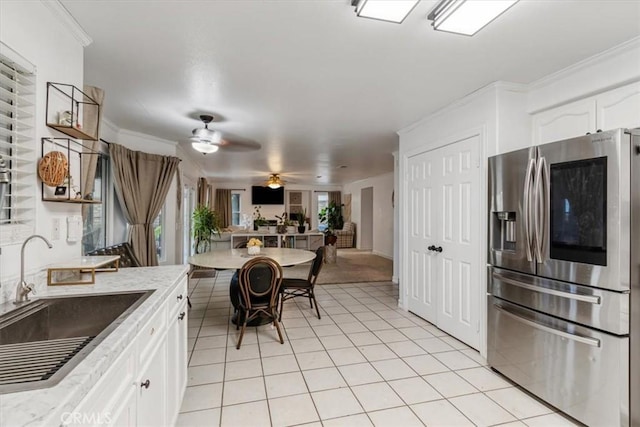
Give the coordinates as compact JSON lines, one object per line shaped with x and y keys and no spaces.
{"x":466,"y":16}
{"x":385,"y":10}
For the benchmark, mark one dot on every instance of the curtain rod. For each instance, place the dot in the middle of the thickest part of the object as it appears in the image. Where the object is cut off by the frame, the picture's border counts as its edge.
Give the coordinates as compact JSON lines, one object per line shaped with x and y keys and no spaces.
{"x":109,"y":143}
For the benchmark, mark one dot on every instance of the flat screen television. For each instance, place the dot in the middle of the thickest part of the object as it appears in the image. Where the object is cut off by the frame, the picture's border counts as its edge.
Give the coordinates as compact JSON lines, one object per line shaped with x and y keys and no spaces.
{"x":267,"y":196}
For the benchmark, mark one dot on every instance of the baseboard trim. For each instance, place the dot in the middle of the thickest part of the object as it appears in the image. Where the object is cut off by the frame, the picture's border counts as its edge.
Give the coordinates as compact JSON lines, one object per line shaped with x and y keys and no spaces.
{"x":382,"y":255}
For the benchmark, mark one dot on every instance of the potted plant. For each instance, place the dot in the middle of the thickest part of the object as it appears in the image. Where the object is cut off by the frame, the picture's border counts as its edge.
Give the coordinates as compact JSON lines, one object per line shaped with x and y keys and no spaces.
{"x":258,"y":219}
{"x":301,"y":217}
{"x":282,"y":226}
{"x":205,"y":224}
{"x":332,"y":216}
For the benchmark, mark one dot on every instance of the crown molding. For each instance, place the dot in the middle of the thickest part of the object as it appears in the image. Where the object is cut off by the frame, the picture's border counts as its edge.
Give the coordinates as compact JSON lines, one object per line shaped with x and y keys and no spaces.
{"x":68,"y":21}
{"x":621,"y":49}
{"x":127,"y":132}
{"x":470,"y":97}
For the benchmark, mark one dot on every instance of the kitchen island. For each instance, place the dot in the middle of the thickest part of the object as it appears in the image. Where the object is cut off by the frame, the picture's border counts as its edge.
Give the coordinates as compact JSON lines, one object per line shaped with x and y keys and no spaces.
{"x":135,"y":376}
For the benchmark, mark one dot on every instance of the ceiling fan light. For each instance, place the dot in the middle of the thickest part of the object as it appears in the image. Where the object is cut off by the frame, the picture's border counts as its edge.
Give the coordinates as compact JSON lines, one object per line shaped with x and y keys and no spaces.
{"x":208,"y":135}
{"x":204,"y":147}
{"x":385,"y":10}
{"x":274,"y":182}
{"x":467,"y":17}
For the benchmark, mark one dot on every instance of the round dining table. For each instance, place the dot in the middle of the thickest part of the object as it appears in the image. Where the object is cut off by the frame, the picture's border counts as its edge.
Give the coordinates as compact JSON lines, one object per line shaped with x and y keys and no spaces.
{"x":234,"y":259}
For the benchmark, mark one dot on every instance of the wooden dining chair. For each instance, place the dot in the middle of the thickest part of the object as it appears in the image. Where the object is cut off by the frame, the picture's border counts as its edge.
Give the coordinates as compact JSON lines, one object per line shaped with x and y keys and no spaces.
{"x":292,"y":288}
{"x":260,"y":279}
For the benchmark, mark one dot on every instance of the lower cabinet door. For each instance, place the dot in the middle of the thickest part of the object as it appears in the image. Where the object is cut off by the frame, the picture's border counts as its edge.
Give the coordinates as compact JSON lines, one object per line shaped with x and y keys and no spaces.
{"x":152,"y":384}
{"x":124,"y":412}
{"x":176,"y":363}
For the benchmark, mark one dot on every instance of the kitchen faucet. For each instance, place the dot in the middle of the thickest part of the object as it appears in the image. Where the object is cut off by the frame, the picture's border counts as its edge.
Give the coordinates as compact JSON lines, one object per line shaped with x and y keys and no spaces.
{"x":23,"y":288}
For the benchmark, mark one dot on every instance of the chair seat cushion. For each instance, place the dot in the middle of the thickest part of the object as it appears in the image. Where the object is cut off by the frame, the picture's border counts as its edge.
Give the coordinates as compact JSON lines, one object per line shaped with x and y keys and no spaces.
{"x":295,"y":283}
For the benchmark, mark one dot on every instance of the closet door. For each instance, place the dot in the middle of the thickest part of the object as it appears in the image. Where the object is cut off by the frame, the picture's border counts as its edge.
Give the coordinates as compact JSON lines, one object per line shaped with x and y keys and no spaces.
{"x":422,"y":276}
{"x":445,"y":238}
{"x":459,"y":227}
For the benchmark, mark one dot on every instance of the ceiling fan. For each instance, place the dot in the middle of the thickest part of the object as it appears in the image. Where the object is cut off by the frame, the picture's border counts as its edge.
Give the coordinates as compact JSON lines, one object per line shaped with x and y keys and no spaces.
{"x":207,"y":140}
{"x":274,"y":181}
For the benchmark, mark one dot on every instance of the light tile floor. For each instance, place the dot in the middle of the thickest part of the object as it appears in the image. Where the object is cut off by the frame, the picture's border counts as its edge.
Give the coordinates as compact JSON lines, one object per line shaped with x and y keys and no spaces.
{"x":365,"y":363}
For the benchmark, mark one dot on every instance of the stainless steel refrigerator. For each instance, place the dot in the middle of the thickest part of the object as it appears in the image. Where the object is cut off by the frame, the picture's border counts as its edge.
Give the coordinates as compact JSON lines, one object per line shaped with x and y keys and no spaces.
{"x":564,"y":274}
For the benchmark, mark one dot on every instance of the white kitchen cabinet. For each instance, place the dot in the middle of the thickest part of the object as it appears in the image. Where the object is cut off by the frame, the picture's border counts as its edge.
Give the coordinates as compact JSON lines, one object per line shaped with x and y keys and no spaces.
{"x":152,"y":389}
{"x":176,"y":360}
{"x":618,"y":108}
{"x":567,"y":121}
{"x":112,"y":399}
{"x":146,"y":383}
{"x":125,"y":411}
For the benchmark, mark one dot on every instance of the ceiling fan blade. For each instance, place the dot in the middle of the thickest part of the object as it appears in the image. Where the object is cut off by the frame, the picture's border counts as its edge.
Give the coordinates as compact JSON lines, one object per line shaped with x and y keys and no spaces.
{"x":238,"y":146}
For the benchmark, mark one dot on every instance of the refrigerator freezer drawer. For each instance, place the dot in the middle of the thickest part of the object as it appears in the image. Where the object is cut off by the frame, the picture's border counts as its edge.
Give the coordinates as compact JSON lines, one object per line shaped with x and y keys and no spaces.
{"x":597,"y":308}
{"x":583,"y":372}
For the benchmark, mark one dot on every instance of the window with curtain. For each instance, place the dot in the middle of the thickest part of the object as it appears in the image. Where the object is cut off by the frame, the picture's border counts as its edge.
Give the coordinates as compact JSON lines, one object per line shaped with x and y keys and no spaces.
{"x":236,"y":208}
{"x":17,"y":147}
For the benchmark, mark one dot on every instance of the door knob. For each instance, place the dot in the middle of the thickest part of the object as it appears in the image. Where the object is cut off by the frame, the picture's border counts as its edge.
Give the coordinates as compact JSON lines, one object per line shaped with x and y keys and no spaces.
{"x":438,"y":249}
{"x":431,"y":248}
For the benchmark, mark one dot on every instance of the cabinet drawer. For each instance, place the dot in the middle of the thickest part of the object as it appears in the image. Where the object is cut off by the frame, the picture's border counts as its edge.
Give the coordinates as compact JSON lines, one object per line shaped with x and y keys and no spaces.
{"x":152,"y":332}
{"x":178,"y":297}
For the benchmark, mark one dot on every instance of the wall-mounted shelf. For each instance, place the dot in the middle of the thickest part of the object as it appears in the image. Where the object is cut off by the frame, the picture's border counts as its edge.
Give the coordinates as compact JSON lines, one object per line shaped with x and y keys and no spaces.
{"x":72,"y":112}
{"x":64,"y":169}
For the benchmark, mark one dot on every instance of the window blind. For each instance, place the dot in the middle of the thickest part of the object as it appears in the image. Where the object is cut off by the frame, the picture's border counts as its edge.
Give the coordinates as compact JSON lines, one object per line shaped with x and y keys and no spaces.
{"x":18,"y":149}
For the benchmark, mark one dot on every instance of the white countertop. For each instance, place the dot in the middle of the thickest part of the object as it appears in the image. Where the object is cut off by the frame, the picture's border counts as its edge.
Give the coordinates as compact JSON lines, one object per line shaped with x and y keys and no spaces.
{"x":87,"y":262}
{"x":45,"y":406}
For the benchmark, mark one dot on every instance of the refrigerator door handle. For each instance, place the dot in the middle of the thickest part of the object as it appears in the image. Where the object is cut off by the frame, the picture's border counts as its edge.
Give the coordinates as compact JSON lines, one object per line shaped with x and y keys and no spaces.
{"x":540,"y":209}
{"x":591,"y":299}
{"x":584,"y":340}
{"x":528,"y":182}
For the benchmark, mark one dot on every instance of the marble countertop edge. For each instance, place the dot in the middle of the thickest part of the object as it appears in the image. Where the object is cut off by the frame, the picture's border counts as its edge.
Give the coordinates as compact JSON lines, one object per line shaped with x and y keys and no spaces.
{"x":46,"y":406}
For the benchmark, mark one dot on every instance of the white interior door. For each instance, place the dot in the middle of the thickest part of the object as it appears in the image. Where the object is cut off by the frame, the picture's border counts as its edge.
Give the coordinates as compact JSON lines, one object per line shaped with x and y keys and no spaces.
{"x":422,"y":277}
{"x":459,"y":236}
{"x":445,"y":188}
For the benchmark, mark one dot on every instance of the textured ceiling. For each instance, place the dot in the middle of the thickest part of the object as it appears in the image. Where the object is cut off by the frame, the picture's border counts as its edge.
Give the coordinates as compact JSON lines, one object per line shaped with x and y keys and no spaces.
{"x":316,"y":86}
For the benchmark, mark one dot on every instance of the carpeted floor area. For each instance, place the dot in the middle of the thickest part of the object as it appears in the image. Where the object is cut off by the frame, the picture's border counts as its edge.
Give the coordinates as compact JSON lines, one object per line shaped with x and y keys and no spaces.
{"x":352,"y":266}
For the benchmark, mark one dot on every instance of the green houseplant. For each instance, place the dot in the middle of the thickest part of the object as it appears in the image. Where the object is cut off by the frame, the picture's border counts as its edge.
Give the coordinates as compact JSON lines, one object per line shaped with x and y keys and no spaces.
{"x":258,"y":219}
{"x":332,"y":216}
{"x":205,"y":224}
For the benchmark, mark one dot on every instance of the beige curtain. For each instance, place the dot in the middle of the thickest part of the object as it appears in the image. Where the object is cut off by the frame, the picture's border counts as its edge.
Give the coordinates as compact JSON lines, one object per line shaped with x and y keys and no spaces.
{"x":212,"y":197}
{"x":142,"y":182}
{"x":346,"y":209}
{"x":223,"y":206}
{"x":335,"y":196}
{"x":203,"y":191}
{"x":179,"y":192}
{"x":90,"y":120}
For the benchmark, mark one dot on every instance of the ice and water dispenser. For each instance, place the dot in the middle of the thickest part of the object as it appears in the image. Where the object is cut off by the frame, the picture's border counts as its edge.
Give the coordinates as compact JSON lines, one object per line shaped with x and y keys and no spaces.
{"x":504,"y":231}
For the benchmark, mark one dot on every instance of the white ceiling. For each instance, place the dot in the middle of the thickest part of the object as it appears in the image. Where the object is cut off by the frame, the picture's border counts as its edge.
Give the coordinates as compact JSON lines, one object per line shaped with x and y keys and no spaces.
{"x":316,"y":86}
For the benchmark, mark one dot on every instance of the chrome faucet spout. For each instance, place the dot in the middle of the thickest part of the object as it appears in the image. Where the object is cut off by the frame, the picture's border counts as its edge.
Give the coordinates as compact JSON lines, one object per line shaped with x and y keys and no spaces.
{"x":23,"y":288}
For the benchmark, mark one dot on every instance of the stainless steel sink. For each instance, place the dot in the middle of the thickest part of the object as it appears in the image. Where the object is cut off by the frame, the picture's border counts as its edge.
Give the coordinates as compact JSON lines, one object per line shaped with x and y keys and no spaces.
{"x":42,"y":341}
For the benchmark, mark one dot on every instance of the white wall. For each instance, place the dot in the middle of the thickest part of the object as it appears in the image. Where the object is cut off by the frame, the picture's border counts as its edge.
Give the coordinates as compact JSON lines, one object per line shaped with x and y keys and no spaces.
{"x":31,"y":29}
{"x":382,"y":211}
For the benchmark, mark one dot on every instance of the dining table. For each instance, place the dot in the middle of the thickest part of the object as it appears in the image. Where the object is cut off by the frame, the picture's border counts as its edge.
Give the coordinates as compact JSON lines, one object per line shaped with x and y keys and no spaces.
{"x":234,"y":259}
